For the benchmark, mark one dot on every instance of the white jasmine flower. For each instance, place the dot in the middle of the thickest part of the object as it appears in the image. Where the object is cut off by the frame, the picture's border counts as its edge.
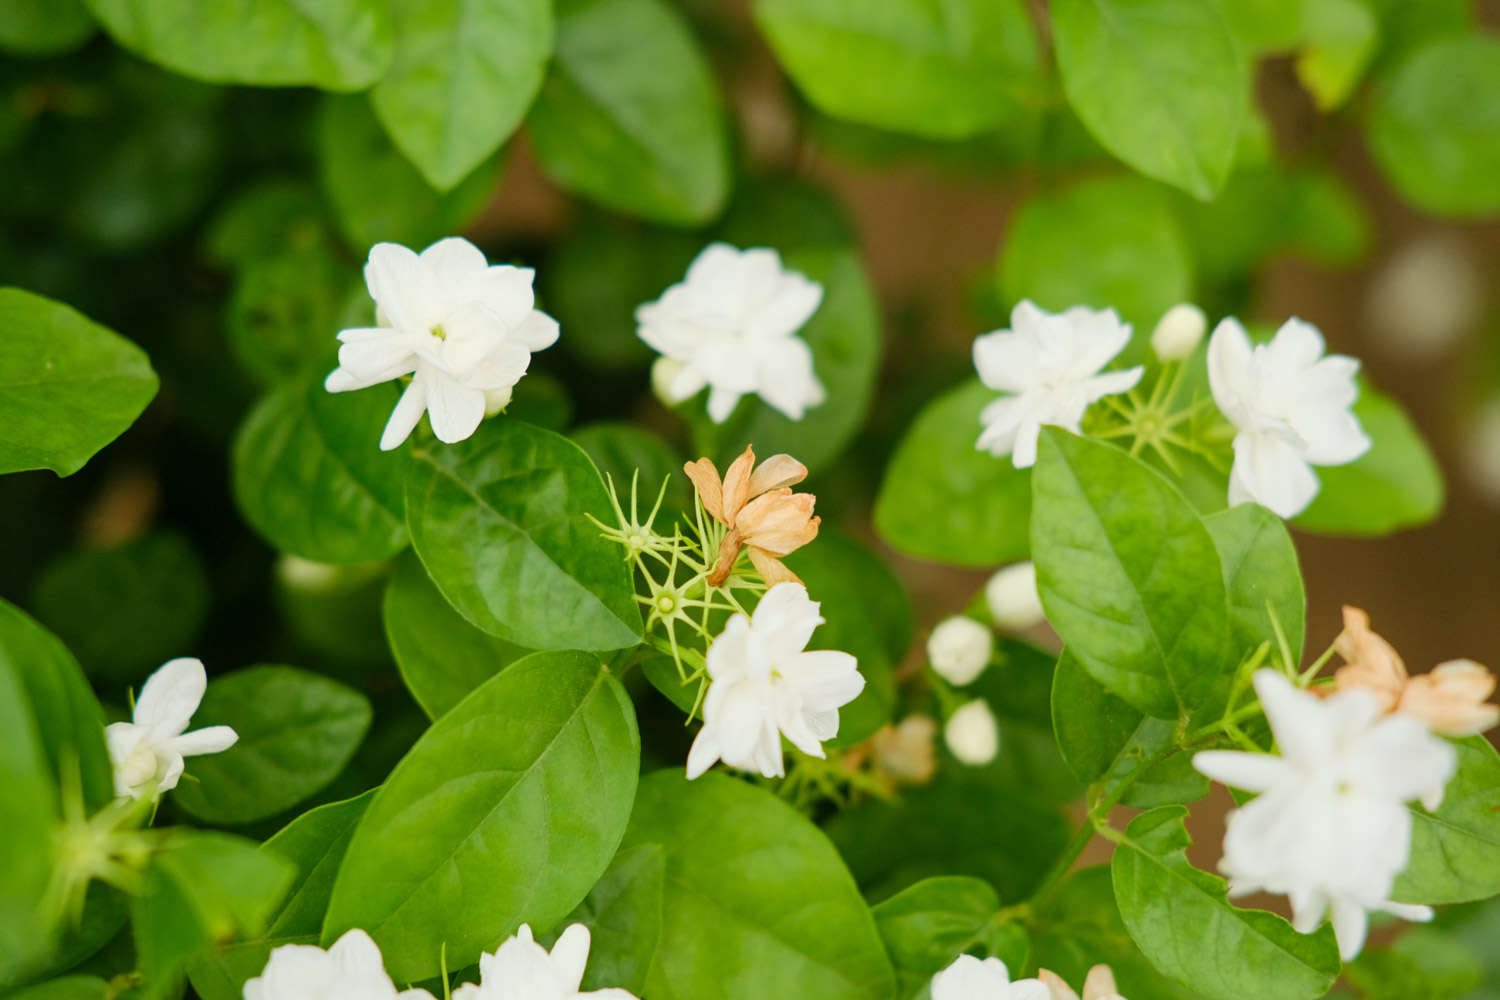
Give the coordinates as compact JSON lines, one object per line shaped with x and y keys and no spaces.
{"x":764,"y":686}
{"x":731,"y":326}
{"x":147,"y":751}
{"x":1099,"y":985}
{"x":1329,"y":827}
{"x":972,"y":734}
{"x":350,"y":970}
{"x":969,"y":978}
{"x":462,"y":329}
{"x":959,"y":649}
{"x":1051,"y":365}
{"x":521,"y":969}
{"x":1013,"y":599}
{"x":1291,"y":406}
{"x":1178,"y":332}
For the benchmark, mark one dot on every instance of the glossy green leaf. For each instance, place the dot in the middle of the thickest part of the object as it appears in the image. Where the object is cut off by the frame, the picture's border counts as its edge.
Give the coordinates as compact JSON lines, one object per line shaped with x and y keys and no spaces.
{"x":1109,"y":243}
{"x":1434,"y":127}
{"x":126,"y":609}
{"x":944,"y":499}
{"x":844,"y":335}
{"x":297,"y":730}
{"x":1128,"y":575}
{"x":507,"y":810}
{"x":68,"y":386}
{"x":785,"y":917}
{"x":44,"y":27}
{"x":65,"y":988}
{"x":928,"y":925}
{"x":501,"y":522}
{"x":629,"y":116}
{"x":220,"y":973}
{"x":66,"y":715}
{"x":203,"y":889}
{"x":441,"y":656}
{"x":315,"y":844}
{"x":375,"y":192}
{"x":1181,"y":920}
{"x":1396,"y":484}
{"x":1341,"y":37}
{"x":1455,"y":852}
{"x":1261,"y":579}
{"x":941,"y":69}
{"x":624,"y":916}
{"x":309,"y":476}
{"x":464,"y":73}
{"x":1161,"y":84}
{"x":334,"y":44}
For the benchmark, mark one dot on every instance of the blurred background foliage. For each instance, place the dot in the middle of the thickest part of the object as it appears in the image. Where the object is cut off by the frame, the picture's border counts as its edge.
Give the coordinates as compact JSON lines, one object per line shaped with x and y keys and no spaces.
{"x":209,"y":188}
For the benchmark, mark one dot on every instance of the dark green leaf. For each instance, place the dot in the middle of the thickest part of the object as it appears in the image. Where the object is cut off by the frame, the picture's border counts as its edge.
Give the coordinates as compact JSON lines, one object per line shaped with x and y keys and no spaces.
{"x":285,"y":310}
{"x":927,"y":926}
{"x":501,"y":522}
{"x":625,"y":453}
{"x":44,"y":27}
{"x":66,"y":988}
{"x":507,"y":810}
{"x":315,"y":843}
{"x":68,"y":386}
{"x":266,"y":218}
{"x":624,"y":915}
{"x":1424,"y":963}
{"x":297,"y":731}
{"x":1455,"y":852}
{"x":1261,"y":579}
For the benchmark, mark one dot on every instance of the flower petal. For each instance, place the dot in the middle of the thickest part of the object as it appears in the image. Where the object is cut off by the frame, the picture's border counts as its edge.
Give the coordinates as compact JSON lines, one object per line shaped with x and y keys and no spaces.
{"x":169,"y":698}
{"x":1272,"y":472}
{"x":790,"y":306}
{"x":407,"y":414}
{"x":570,"y":956}
{"x":536,"y":332}
{"x":210,"y":739}
{"x":403,"y":288}
{"x":1229,"y":369}
{"x":705,"y":479}
{"x":454,"y":409}
{"x":1253,"y":772}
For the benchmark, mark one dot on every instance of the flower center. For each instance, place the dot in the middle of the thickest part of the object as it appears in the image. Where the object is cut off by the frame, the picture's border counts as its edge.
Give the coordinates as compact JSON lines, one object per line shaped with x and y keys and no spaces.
{"x":666,"y":604}
{"x":438,"y":331}
{"x":140,"y":766}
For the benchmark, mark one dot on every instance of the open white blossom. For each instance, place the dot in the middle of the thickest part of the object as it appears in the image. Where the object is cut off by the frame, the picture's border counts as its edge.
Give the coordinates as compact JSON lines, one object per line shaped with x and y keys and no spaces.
{"x":148,"y":751}
{"x":765,"y":685}
{"x":1329,"y":827}
{"x":970,"y":978}
{"x":1291,"y":406}
{"x":462,"y":329}
{"x":959,"y":649}
{"x":1050,"y":364}
{"x":1013,"y":599}
{"x":521,"y":969}
{"x":731,"y":326}
{"x":972,"y":734}
{"x":350,"y":970}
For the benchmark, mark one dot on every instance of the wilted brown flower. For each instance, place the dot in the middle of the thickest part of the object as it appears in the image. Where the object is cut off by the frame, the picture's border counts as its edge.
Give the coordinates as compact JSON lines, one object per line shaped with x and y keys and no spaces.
{"x":1100,"y":985}
{"x":1451,"y":699}
{"x":905,"y":753}
{"x":760,"y":510}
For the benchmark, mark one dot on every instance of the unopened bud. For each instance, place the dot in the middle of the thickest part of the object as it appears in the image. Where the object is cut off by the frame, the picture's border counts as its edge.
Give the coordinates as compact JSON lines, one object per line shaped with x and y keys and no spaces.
{"x":496,"y":400}
{"x":663,"y":374}
{"x":1013,"y":599}
{"x":959,"y":649}
{"x":972,"y":734}
{"x":1178,"y":332}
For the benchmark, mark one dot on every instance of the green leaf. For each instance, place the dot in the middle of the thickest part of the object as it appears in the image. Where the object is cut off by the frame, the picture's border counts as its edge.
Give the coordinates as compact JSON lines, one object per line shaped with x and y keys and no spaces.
{"x":1396,"y":484}
{"x":1261,"y":579}
{"x":441,"y":656}
{"x":44,"y":27}
{"x":315,"y":843}
{"x":203,"y":889}
{"x":465,"y":71}
{"x":1434,"y":127}
{"x":1128,"y":575}
{"x":1109,"y":243}
{"x":501,"y":522}
{"x":297,"y":731}
{"x":624,"y":453}
{"x":1455,"y":852}
{"x":943,"y":69}
{"x":1424,"y":963}
{"x":1181,"y":920}
{"x":624,"y":916}
{"x":377,"y":194}
{"x":844,"y":335}
{"x":52,"y":691}
{"x":263,"y":219}
{"x":629,"y":115}
{"x":507,"y":810}
{"x":126,"y":609}
{"x":944,"y":499}
{"x":782,"y":914}
{"x":1160,"y":83}
{"x":66,"y":988}
{"x":310,"y":478}
{"x":928,"y":925}
{"x":220,"y":974}
{"x":68,"y":386}
{"x":1017,"y":684}
{"x":1341,"y":38}
{"x":333,"y":44}
{"x":285,"y":310}
{"x":951,"y":827}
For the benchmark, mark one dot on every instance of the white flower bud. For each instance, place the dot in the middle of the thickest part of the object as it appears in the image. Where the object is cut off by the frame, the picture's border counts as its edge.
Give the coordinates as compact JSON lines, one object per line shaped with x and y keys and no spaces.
{"x":959,"y":649}
{"x":1013,"y":599}
{"x":972,"y":734}
{"x":663,"y":373}
{"x":496,"y":400}
{"x":1178,"y":332}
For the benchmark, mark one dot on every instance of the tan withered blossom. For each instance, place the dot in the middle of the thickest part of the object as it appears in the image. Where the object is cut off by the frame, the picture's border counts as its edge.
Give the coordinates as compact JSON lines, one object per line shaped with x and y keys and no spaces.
{"x":760,"y":510}
{"x":1100,"y":985}
{"x":1451,"y":699}
{"x":905,"y":754}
